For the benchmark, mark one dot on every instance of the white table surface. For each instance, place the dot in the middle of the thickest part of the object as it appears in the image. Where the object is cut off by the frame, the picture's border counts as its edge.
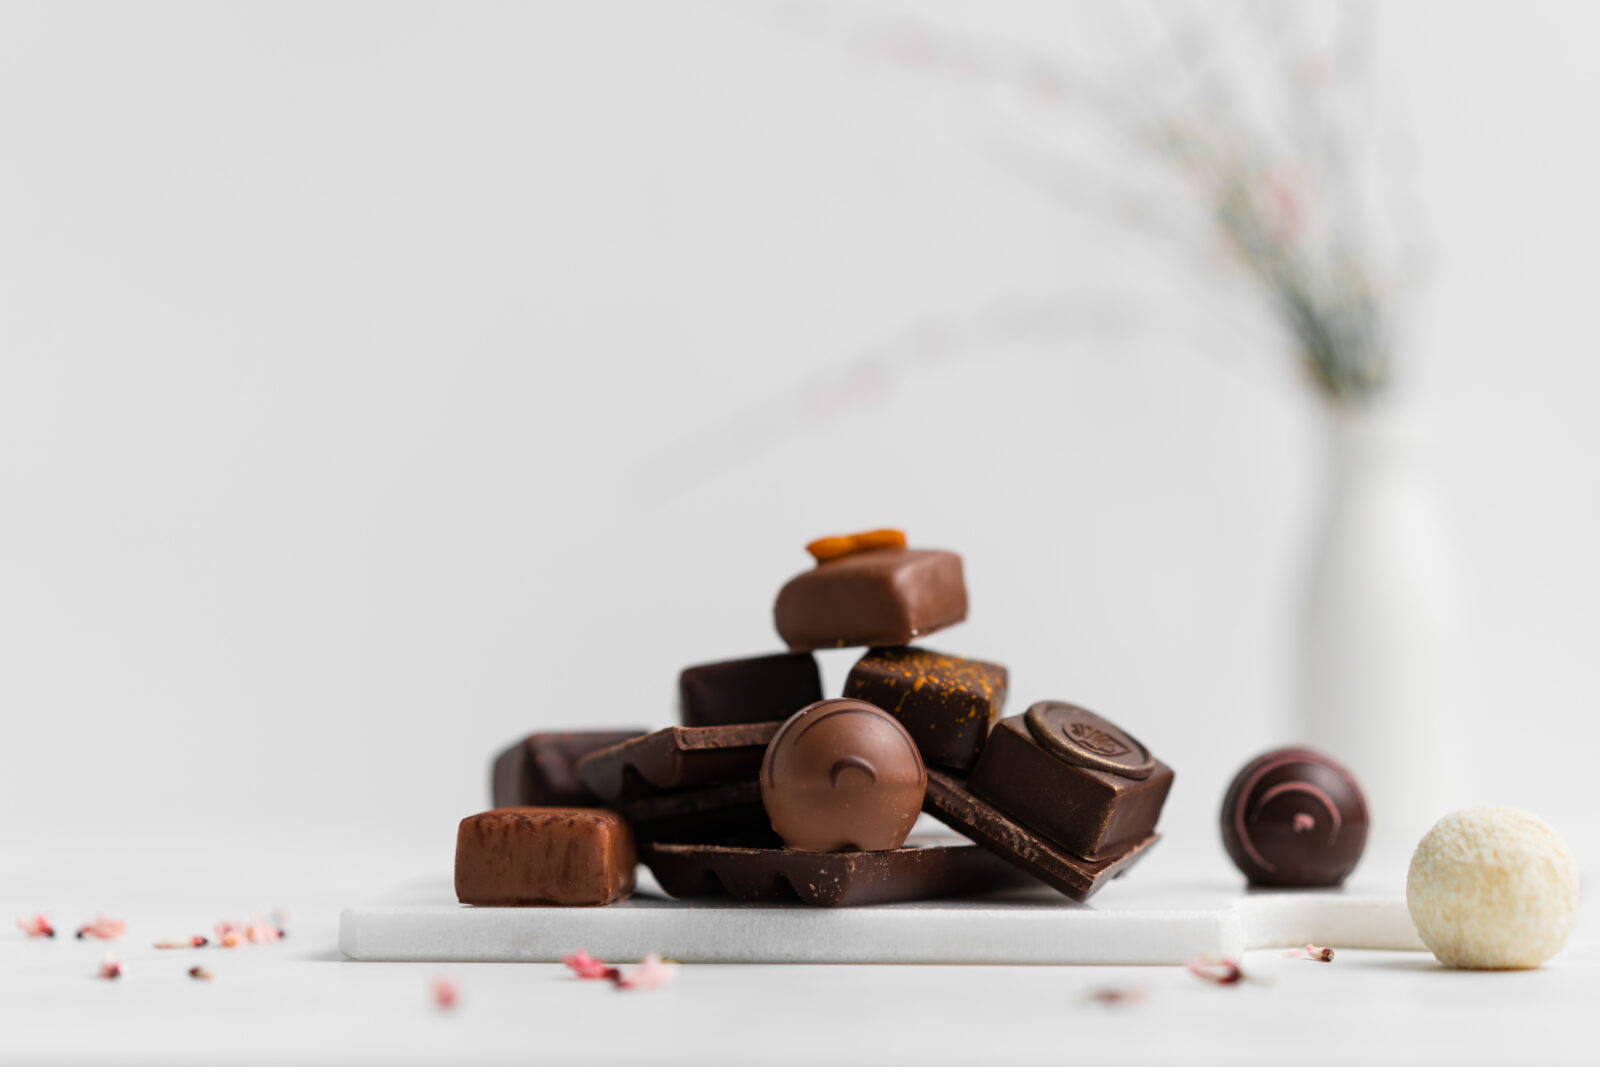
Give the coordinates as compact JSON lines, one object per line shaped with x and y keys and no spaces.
{"x":301,"y":1001}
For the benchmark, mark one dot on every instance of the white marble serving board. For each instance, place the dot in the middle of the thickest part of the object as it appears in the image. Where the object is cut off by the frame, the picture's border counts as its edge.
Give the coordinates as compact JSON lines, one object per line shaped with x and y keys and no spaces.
{"x":1125,"y":924}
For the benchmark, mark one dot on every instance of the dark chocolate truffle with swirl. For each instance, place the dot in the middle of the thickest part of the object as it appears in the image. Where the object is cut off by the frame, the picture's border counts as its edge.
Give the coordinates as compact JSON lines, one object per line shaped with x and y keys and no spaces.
{"x":1294,"y":818}
{"x":842,"y":776}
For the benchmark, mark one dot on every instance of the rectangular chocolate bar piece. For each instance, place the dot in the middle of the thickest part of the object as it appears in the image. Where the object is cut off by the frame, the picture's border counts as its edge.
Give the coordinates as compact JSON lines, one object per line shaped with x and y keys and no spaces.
{"x":1075,"y":778}
{"x":525,"y":856}
{"x":950,"y":801}
{"x":541,"y":769}
{"x":883,"y":596}
{"x":946,"y":703}
{"x":828,"y":879}
{"x":679,"y":757}
{"x":763,"y":689}
{"x":730,"y":814}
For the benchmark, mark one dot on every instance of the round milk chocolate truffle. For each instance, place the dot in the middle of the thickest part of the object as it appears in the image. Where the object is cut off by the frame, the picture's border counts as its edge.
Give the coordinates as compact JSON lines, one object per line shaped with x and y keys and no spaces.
{"x":842,"y":776}
{"x":1294,"y":818}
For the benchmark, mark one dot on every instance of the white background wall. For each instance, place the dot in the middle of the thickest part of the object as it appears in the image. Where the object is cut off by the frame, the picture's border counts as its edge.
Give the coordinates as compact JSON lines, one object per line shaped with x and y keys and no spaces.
{"x":379,"y":382}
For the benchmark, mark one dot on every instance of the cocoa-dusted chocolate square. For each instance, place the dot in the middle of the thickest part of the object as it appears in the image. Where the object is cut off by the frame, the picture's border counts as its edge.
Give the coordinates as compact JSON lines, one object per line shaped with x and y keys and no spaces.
{"x":878,"y":596}
{"x":761,"y":689}
{"x":524,"y":856}
{"x":1075,"y":778}
{"x":946,"y":703}
{"x":541,"y":769}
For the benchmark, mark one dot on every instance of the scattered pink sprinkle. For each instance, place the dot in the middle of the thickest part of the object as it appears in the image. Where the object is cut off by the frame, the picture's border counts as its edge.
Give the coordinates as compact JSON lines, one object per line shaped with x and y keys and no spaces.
{"x":586,"y":966}
{"x":103,"y":929}
{"x":110,"y":967}
{"x":230,"y":933}
{"x":184,"y":942}
{"x":1116,"y":997}
{"x":201,"y":974}
{"x":261,"y":932}
{"x":652,"y":973}
{"x":1312,"y":952}
{"x":38,"y":926}
{"x":445,"y":994}
{"x":1215,"y":969}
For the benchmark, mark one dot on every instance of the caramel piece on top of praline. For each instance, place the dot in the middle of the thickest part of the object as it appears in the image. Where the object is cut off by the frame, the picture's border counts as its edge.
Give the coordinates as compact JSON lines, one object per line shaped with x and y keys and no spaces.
{"x":826,"y":548}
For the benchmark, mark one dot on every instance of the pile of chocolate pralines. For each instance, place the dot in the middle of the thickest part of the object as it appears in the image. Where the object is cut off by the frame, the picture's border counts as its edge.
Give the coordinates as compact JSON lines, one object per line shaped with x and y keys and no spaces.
{"x":769,"y":792}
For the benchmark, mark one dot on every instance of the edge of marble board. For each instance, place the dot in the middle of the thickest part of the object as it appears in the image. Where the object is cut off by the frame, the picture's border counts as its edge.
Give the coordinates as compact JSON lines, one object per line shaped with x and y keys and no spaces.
{"x":948,"y":934}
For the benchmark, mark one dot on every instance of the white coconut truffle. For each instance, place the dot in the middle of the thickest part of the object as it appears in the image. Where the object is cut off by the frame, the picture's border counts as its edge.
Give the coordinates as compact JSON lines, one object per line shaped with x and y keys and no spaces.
{"x":1492,"y":888}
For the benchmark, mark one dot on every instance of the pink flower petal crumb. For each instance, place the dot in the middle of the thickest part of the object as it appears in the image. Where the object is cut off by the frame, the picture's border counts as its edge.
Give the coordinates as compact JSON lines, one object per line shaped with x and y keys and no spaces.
{"x":1118,"y":997}
{"x":1312,"y":952}
{"x":1217,"y":970}
{"x":445,"y":994}
{"x":103,"y":929}
{"x":110,"y":967}
{"x":653,"y":972}
{"x":584,"y":965}
{"x":38,"y":926}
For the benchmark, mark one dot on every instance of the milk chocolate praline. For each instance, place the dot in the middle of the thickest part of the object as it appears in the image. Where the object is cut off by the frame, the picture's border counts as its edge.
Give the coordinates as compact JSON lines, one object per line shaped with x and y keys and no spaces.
{"x":842,"y":776}
{"x":1294,"y":818}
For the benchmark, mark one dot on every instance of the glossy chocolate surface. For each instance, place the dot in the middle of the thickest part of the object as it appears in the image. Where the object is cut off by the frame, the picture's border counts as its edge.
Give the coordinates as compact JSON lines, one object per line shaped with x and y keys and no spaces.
{"x":678,"y":757}
{"x":1294,"y":818}
{"x":1087,"y":810}
{"x":541,"y":769}
{"x":952,"y":803}
{"x":947,"y":704}
{"x":842,"y":776}
{"x":529,"y":856}
{"x":762,"y":689}
{"x":883,"y":596}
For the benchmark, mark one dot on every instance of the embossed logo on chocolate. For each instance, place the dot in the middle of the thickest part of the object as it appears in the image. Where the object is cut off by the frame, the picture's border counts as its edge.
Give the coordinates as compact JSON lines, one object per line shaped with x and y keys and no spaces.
{"x":1080,"y":737}
{"x":1096,"y":740}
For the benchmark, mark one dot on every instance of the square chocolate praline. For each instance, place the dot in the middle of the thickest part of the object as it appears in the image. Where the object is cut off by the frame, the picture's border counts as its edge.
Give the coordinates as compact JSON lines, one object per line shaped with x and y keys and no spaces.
{"x":1085,"y":810}
{"x":528,"y":856}
{"x":946,"y":703}
{"x":884,"y":596}
{"x":761,"y":689}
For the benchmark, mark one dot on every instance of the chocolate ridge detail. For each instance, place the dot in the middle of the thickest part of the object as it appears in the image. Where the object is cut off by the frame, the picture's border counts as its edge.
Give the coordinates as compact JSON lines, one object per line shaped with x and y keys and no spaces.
{"x":677,"y":757}
{"x":828,"y":879}
{"x":950,"y":801}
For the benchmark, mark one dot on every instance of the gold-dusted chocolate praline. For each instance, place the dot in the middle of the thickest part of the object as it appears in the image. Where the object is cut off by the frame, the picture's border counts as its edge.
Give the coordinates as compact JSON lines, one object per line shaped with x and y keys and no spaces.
{"x":1079,"y":736}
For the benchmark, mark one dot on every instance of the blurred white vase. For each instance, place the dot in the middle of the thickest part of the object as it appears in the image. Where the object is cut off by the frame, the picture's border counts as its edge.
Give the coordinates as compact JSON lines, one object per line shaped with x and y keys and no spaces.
{"x":1383,"y":632}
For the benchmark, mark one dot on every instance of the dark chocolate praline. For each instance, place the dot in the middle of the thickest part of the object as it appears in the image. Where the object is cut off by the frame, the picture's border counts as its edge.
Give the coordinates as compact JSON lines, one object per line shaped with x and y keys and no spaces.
{"x":1294,"y":818}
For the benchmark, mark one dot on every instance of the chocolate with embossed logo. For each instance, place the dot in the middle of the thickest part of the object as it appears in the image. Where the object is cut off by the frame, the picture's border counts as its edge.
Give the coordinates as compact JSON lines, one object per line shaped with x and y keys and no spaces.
{"x":1079,"y":736}
{"x":1083,"y":782}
